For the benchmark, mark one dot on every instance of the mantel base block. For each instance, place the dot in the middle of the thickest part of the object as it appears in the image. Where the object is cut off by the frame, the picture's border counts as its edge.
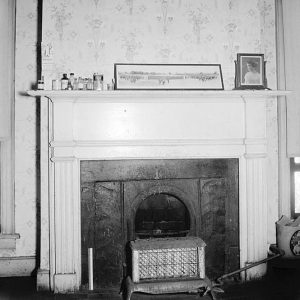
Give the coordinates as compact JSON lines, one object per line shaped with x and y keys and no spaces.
{"x":65,"y":283}
{"x":43,"y":280}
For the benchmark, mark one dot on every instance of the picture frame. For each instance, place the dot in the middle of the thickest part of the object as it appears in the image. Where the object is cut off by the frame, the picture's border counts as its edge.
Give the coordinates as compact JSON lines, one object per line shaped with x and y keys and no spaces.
{"x":168,"y":76}
{"x":250,"y":71}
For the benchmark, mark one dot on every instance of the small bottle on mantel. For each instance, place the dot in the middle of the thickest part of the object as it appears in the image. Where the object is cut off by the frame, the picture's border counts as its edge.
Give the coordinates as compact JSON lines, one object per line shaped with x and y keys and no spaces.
{"x":75,"y":85}
{"x":98,"y":82}
{"x":40,"y":84}
{"x":80,"y":83}
{"x":64,"y":82}
{"x":71,"y":80}
{"x":69,"y":87}
{"x":55,"y":85}
{"x":89,"y":85}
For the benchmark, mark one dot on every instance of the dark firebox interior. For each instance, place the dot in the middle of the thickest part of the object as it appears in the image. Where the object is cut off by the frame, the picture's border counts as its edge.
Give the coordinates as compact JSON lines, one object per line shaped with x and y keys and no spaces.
{"x":162,"y":215}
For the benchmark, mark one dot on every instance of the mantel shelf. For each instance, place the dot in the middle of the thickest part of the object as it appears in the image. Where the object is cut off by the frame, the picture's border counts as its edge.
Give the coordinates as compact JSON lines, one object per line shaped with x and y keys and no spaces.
{"x":142,"y":95}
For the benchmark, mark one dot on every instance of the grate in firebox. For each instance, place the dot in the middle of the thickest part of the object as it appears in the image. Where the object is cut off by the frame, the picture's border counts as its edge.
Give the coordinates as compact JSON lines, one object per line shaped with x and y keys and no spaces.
{"x":168,"y":263}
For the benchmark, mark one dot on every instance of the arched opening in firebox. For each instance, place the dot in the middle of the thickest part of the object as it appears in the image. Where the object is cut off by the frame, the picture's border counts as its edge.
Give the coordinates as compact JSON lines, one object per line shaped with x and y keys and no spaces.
{"x":162,"y":215}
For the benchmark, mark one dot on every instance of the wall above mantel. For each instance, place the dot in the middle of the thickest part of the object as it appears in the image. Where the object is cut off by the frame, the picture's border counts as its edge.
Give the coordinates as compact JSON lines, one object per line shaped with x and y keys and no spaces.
{"x":91,"y":36}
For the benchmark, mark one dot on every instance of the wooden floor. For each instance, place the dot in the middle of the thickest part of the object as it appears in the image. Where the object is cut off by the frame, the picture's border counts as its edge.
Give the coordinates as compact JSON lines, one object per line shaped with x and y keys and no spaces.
{"x":282,"y":283}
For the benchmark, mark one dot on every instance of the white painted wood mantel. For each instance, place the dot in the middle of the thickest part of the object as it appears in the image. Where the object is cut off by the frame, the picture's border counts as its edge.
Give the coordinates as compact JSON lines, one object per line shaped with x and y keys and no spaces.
{"x":110,"y":125}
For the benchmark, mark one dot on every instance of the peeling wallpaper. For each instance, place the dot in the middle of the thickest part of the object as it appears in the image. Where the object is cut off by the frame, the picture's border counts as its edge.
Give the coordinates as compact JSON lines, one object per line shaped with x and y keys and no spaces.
{"x":89,"y":36}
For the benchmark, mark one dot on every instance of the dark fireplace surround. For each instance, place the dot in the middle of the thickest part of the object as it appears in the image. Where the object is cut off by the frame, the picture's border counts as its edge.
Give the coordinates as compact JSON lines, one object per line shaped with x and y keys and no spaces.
{"x":124,"y":200}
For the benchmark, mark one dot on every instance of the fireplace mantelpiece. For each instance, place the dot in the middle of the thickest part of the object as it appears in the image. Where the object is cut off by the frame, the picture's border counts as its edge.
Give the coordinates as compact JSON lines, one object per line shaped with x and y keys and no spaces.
{"x":90,"y":125}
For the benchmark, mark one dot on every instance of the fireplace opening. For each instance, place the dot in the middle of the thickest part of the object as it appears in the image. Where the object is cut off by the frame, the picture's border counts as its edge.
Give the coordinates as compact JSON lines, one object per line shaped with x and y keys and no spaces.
{"x":162,"y":215}
{"x":131,"y":200}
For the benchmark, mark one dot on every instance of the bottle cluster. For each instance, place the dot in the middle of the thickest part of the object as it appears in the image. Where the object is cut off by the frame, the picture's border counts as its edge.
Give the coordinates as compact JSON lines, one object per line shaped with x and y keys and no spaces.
{"x":73,"y":83}
{"x":80,"y":83}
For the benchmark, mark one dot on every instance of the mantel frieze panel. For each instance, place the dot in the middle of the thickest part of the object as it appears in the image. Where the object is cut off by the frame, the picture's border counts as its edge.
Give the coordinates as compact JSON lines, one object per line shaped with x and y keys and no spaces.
{"x":139,"y":121}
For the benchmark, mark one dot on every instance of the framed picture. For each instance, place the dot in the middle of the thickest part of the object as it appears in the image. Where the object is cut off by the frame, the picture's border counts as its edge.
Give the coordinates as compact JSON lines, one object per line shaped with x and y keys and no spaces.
{"x":250,"y":71}
{"x":168,"y":77}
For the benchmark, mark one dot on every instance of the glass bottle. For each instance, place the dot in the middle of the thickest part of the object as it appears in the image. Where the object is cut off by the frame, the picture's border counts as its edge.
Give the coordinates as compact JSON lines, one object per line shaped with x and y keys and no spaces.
{"x":85,"y":83}
{"x":80,"y":83}
{"x":64,"y":81}
{"x":89,"y":84}
{"x":69,"y":87}
{"x":75,"y":86}
{"x":40,"y":85}
{"x":55,"y":84}
{"x":98,"y":82}
{"x":72,"y":79}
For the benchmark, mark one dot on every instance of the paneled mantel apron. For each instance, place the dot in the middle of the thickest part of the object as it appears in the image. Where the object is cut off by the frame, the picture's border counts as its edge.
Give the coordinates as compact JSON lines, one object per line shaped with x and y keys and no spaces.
{"x":114,"y":125}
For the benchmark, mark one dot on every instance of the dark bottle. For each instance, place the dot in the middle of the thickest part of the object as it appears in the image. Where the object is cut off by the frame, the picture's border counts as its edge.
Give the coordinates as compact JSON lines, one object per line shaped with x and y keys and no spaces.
{"x":64,"y":82}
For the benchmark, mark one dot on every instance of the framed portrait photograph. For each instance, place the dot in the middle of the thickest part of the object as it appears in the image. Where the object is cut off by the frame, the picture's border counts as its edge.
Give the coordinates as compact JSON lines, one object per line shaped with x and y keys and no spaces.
{"x":168,"y":77}
{"x":250,"y":71}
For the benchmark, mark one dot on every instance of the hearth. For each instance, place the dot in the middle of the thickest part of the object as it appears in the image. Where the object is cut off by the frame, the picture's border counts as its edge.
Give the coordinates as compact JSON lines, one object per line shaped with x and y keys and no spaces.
{"x":130,"y":200}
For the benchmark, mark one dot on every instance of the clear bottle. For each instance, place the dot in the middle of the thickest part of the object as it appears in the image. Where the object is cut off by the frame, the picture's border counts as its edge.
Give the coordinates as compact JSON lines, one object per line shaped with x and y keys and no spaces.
{"x":64,"y":82}
{"x":72,"y":79}
{"x":111,"y":86}
{"x":55,"y":84}
{"x":85,"y":83}
{"x":98,"y":82}
{"x":75,"y":86}
{"x":80,"y":83}
{"x":69,"y":87}
{"x":90,"y":84}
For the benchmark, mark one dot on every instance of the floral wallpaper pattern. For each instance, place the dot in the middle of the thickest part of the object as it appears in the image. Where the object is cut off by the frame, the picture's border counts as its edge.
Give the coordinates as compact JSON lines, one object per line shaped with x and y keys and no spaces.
{"x":90,"y":36}
{"x":26,"y":151}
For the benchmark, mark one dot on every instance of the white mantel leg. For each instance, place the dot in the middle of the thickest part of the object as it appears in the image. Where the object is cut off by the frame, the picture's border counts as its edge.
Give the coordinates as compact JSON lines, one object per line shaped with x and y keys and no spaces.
{"x":43,"y":274}
{"x":256,"y":194}
{"x":65,"y":226}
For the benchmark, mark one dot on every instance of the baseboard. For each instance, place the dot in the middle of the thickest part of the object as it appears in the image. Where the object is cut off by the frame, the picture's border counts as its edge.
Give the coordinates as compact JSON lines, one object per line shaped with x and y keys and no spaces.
{"x":17,"y":266}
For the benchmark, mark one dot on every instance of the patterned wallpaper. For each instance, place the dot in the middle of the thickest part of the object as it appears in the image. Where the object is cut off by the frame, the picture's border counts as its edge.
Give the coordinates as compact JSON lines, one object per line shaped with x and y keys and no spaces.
{"x":25,"y":130}
{"x":88,"y":36}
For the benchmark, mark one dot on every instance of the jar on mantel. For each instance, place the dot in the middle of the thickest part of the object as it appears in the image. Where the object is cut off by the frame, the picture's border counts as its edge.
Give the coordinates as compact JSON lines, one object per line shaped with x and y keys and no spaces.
{"x":64,"y":81}
{"x":40,"y":85}
{"x":98,"y":82}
